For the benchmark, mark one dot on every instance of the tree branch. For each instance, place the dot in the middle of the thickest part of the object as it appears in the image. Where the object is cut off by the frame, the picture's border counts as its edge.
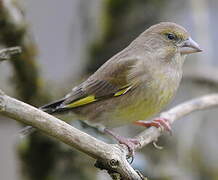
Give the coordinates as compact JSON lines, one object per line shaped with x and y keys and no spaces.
{"x":111,"y":157}
{"x":7,"y":53}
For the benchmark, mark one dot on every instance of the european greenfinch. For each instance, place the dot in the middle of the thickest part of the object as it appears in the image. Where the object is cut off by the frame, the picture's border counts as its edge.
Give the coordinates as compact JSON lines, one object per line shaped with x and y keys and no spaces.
{"x":133,"y":85}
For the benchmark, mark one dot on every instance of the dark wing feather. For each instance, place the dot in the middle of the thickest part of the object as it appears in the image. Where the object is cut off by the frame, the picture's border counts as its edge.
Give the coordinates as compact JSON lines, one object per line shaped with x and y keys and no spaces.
{"x":98,"y":88}
{"x":109,"y":80}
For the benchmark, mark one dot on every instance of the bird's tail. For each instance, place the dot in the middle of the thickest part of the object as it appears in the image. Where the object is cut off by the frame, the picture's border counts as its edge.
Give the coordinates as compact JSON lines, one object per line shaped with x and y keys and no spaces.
{"x":53,"y":107}
{"x":50,"y":108}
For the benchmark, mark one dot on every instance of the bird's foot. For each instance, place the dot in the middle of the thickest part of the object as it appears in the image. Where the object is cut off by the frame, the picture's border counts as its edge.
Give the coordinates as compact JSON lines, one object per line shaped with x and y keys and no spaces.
{"x":161,"y":123}
{"x":131,"y":143}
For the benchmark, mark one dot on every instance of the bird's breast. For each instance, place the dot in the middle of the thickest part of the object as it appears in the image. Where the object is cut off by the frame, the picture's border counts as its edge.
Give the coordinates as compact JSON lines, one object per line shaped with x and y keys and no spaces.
{"x":147,"y":99}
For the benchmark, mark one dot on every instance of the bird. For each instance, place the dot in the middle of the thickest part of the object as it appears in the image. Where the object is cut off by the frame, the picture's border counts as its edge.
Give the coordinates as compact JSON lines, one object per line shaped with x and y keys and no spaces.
{"x":133,"y":85}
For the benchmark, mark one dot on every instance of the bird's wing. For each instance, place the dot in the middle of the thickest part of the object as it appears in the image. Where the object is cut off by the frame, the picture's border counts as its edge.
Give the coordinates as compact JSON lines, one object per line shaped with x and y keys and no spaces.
{"x":109,"y":81}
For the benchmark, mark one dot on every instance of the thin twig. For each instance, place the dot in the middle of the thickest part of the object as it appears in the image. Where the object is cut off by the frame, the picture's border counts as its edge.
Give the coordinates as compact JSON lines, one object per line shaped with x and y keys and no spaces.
{"x":177,"y":112}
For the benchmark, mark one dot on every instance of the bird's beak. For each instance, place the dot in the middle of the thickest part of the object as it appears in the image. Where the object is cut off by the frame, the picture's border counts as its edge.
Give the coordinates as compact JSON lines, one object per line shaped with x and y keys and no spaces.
{"x":189,"y":46}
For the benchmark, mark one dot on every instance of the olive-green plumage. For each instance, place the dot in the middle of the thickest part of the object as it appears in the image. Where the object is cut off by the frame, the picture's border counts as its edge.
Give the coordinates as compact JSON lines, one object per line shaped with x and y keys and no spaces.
{"x":136,"y":83}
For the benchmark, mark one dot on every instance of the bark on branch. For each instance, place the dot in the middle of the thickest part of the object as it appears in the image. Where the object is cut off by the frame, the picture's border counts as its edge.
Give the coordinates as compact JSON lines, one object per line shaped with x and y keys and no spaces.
{"x":111,"y":157}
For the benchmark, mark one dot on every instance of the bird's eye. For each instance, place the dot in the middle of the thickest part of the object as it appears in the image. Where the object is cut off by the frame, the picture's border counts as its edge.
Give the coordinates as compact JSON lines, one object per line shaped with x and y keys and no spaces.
{"x":171,"y":36}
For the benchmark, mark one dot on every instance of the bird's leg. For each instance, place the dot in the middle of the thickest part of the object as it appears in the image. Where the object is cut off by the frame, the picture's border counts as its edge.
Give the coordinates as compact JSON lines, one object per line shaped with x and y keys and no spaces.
{"x":129,"y":142}
{"x":162,"y":123}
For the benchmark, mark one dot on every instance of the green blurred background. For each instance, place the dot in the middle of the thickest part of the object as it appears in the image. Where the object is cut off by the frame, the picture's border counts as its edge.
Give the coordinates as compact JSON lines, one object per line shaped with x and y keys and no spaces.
{"x":65,"y":41}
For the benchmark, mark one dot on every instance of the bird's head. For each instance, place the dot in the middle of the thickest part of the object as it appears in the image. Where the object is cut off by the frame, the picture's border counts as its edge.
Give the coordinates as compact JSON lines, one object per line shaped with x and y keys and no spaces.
{"x":172,"y":38}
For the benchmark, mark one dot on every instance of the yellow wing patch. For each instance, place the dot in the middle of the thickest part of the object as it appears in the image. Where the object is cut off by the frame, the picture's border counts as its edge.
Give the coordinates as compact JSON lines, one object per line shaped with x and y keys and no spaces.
{"x":92,"y":98}
{"x":123,"y":91}
{"x":81,"y":102}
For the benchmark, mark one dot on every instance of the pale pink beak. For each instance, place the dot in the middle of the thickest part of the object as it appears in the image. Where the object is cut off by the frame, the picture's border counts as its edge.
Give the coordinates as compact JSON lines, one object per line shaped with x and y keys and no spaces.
{"x":189,"y":46}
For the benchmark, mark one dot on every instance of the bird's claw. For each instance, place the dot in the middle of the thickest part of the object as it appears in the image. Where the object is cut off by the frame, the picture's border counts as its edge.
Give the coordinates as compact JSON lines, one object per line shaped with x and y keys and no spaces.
{"x":157,"y":146}
{"x":131,"y":143}
{"x":161,"y":123}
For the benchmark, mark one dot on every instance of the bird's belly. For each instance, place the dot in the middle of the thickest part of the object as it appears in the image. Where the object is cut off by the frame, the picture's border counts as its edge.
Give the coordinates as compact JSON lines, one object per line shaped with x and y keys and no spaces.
{"x":140,"y":105}
{"x":140,"y":110}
